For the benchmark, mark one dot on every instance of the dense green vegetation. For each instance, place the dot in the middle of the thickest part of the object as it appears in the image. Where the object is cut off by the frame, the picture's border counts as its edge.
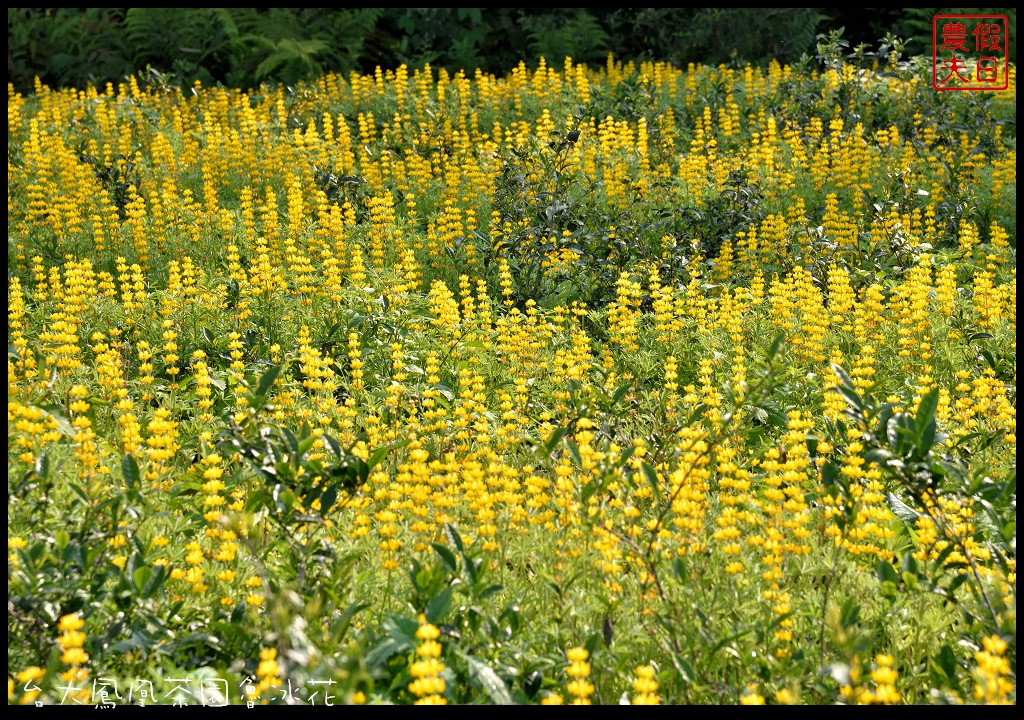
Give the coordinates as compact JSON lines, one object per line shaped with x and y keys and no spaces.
{"x":242,"y":47}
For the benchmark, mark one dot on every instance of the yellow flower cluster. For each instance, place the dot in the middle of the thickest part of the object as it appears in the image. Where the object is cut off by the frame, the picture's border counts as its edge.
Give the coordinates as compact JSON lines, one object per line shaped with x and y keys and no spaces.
{"x":878,"y":688}
{"x":579,"y":688}
{"x":992,"y":676}
{"x":71,"y":642}
{"x":428,"y":685}
{"x":645,"y":687}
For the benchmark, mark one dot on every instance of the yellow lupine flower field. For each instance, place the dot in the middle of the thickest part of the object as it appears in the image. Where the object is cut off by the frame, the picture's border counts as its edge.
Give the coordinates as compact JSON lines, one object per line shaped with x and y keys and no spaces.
{"x":584,"y":385}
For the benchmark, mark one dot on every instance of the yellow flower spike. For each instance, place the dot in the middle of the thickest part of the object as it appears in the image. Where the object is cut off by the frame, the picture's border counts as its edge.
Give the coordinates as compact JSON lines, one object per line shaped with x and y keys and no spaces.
{"x":357,"y":698}
{"x":70,"y":622}
{"x":579,"y":688}
{"x":994,"y":644}
{"x":428,"y":686}
{"x":74,"y":656}
{"x":751,"y":696}
{"x":427,"y":631}
{"x":30,"y":674}
{"x":645,"y":687}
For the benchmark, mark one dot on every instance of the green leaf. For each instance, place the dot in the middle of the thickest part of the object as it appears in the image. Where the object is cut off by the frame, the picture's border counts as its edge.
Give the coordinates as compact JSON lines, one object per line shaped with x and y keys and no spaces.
{"x":626,"y":454}
{"x":130,"y":471}
{"x":267,"y":380}
{"x":345,"y":619}
{"x":652,"y":478}
{"x":42,"y":466}
{"x":553,"y":439}
{"x":574,"y":451}
{"x":852,"y":398}
{"x":447,"y":558}
{"x":438,"y":608}
{"x":488,"y":591}
{"x":990,"y":360}
{"x":956,"y":582}
{"x":844,"y":379}
{"x":284,"y":498}
{"x":877,"y":456}
{"x":945,"y":553}
{"x":447,"y":394}
{"x":775,"y":346}
{"x":1009,"y":530}
{"x":811,"y":441}
{"x":361,"y":469}
{"x":829,"y":475}
{"x":736,"y":636}
{"x":532,"y":682}
{"x":849,"y":612}
{"x":621,"y":392}
{"x":305,"y":445}
{"x":155,"y":582}
{"x":926,"y":410}
{"x":884,"y":414}
{"x":886,"y":572}
{"x":698,"y":412}
{"x":134,"y":562}
{"x":683,"y":667}
{"x":453,"y":537}
{"x":380,"y":654}
{"x":141,"y":577}
{"x":841,"y":430}
{"x":402,"y":629}
{"x":471,"y":566}
{"x":901,"y":509}
{"x":940,"y":469}
{"x":60,"y":417}
{"x":489,"y":681}
{"x":380,"y":453}
{"x":926,"y":439}
{"x":291,"y":442}
{"x":377,"y":455}
{"x":946,"y":660}
{"x":679,"y":565}
{"x":328,"y":498}
{"x":335,"y":446}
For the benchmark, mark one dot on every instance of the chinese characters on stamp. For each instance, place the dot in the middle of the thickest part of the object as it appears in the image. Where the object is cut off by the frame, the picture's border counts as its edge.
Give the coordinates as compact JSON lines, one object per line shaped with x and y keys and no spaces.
{"x":969,"y":52}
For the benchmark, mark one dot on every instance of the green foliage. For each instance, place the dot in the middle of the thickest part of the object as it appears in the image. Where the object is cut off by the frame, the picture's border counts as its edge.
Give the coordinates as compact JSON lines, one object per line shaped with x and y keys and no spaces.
{"x":926,"y":467}
{"x":66,"y":46}
{"x":715,"y":35}
{"x":913,"y":24}
{"x":542,"y":201}
{"x":242,"y":47}
{"x":239,"y":47}
{"x":567,"y":32}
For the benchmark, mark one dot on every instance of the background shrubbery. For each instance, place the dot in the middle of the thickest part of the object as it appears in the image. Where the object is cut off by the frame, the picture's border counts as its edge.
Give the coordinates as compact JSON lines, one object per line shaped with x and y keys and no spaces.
{"x":243,"y":47}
